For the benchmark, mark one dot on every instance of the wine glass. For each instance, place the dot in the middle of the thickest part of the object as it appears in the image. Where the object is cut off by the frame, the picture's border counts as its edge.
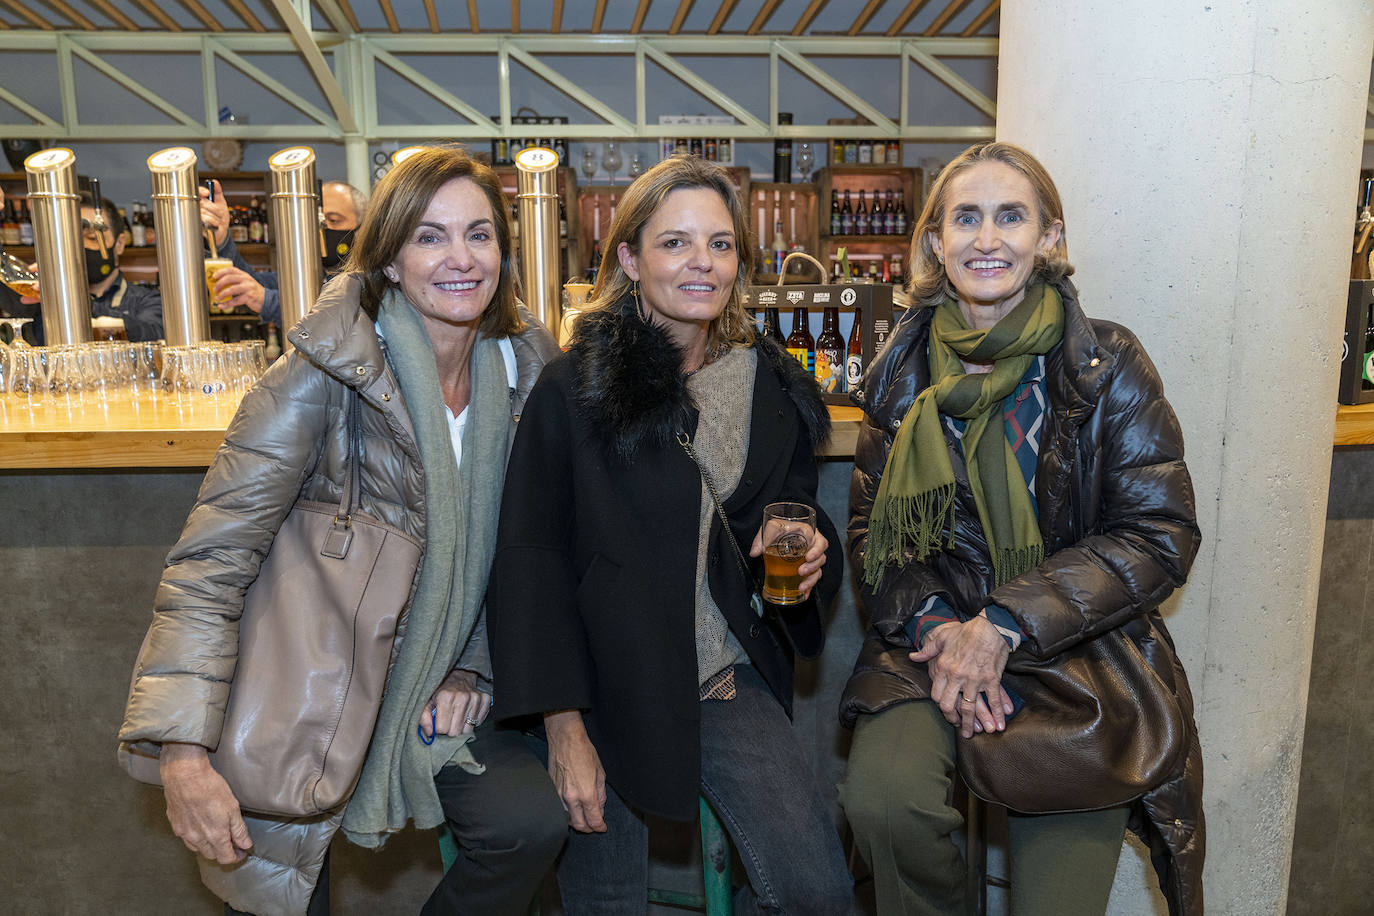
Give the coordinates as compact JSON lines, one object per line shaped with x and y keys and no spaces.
{"x":806,"y":162}
{"x":588,"y":163}
{"x":611,"y":161}
{"x":636,"y":166}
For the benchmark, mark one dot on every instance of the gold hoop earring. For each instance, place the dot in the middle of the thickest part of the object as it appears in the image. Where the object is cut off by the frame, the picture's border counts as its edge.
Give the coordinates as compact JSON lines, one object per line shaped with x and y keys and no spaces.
{"x":639,"y":306}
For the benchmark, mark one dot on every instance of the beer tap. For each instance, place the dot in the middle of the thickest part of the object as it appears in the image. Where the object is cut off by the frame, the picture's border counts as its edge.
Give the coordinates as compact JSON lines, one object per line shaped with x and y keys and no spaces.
{"x":1365,"y":223}
{"x":210,"y":233}
{"x":99,"y":224}
{"x":319,"y":196}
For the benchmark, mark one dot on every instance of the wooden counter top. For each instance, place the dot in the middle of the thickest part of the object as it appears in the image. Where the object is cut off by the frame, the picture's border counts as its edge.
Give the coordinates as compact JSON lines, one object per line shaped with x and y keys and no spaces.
{"x":154,"y":430}
{"x":1355,"y":424}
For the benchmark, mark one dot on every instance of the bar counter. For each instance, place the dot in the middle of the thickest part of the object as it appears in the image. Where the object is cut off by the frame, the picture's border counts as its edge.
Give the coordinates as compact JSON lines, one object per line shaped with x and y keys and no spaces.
{"x":153,"y":430}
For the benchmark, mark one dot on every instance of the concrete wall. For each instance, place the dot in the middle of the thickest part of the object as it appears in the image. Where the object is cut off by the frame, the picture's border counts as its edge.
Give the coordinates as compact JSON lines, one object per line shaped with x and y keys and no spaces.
{"x":1202,"y":151}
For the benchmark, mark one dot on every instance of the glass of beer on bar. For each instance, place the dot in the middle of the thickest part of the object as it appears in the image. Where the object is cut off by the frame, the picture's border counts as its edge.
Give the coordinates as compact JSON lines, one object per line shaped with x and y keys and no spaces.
{"x":788,"y":529}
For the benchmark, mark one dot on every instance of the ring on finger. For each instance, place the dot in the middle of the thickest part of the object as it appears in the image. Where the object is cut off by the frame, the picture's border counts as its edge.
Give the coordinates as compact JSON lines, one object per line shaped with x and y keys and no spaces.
{"x":966,"y":699}
{"x":469,"y":720}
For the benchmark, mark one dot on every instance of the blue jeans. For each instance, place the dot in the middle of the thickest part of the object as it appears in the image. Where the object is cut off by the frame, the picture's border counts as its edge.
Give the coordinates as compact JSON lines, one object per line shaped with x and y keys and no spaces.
{"x":754,"y":775}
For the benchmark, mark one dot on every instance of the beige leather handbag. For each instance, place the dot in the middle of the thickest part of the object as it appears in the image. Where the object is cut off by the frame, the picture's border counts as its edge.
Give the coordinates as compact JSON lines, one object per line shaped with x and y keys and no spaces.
{"x":315,"y":642}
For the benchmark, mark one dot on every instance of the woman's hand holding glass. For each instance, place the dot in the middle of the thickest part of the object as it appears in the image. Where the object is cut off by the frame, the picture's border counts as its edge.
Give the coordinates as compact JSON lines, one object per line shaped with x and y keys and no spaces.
{"x":783,"y":522}
{"x":457,"y":707}
{"x":965,"y":661}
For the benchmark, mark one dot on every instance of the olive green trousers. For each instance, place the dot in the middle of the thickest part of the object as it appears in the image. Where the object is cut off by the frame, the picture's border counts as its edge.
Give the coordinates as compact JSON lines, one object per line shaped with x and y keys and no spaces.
{"x":896,"y":796}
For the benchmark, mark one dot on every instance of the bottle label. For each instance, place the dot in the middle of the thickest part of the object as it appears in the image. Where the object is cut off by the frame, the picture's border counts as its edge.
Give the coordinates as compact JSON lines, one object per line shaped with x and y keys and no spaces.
{"x":1368,"y":372}
{"x":802,"y":355}
{"x":829,"y":370}
{"x":853,"y":370}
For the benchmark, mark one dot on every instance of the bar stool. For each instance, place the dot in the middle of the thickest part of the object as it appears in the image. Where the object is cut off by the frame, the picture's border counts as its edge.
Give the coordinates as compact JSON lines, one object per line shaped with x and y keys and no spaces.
{"x":976,"y":877}
{"x":715,"y":868}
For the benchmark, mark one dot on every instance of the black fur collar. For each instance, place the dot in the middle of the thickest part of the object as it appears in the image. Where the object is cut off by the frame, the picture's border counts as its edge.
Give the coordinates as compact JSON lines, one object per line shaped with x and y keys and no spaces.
{"x":629,"y":383}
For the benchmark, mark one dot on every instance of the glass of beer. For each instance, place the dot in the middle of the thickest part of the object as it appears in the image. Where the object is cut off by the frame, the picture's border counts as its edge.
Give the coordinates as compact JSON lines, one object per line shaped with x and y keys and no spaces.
{"x":212,"y":268}
{"x":788,"y":529}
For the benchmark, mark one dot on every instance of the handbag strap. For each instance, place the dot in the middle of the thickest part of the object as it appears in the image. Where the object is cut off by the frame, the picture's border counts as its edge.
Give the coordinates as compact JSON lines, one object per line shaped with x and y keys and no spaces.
{"x":348,"y":500}
{"x":686,"y":442}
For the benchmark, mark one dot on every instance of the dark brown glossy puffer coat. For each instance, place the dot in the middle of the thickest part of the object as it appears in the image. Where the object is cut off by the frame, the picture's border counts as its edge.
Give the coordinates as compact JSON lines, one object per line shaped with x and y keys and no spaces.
{"x":1120,"y":531}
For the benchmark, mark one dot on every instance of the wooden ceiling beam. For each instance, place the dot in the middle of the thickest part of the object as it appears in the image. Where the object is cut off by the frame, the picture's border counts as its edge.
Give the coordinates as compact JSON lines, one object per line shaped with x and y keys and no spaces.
{"x":246,"y":15}
{"x":72,"y":15}
{"x":946,"y":14}
{"x":981,"y":20}
{"x":348,"y":14}
{"x":598,"y":15}
{"x":390,"y":15}
{"x":640,"y":12}
{"x":515,"y":15}
{"x":812,"y":11}
{"x":769,"y":8}
{"x":203,"y":15}
{"x":905,"y":16}
{"x":557,"y":25}
{"x":152,"y":9}
{"x":472,"y":17}
{"x":680,"y":17}
{"x":432,"y":15}
{"x":29,"y":15}
{"x":722,"y":14}
{"x":865,"y":15}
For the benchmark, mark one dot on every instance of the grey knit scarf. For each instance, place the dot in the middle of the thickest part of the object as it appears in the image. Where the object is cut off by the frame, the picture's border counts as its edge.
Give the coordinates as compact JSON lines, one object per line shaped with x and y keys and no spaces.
{"x":462,"y":506}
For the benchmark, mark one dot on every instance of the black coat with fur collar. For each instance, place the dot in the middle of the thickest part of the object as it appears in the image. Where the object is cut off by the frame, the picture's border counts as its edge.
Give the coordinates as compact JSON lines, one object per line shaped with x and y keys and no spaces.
{"x":592,"y":597}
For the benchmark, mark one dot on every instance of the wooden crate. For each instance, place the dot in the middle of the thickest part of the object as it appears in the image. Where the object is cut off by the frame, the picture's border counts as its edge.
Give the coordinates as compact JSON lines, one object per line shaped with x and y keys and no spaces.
{"x":865,"y":248}
{"x":793,"y":206}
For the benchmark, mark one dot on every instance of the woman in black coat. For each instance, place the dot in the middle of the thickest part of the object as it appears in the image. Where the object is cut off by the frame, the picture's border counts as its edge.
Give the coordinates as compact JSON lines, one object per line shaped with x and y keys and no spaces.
{"x":1019,"y":490}
{"x":619,"y":606}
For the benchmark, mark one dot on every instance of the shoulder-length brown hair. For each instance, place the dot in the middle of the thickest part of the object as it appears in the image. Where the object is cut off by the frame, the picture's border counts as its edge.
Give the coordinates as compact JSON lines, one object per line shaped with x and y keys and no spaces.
{"x":642,"y":199}
{"x":929,"y":284}
{"x":397,"y":205}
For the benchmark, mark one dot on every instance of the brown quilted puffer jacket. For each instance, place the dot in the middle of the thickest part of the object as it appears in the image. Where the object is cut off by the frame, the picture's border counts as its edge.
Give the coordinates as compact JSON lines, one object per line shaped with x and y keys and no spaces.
{"x":1117,"y":516}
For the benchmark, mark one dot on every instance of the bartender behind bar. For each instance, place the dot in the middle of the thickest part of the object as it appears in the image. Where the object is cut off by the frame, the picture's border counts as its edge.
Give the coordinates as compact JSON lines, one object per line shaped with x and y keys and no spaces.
{"x":112,"y":296}
{"x":342,"y":207}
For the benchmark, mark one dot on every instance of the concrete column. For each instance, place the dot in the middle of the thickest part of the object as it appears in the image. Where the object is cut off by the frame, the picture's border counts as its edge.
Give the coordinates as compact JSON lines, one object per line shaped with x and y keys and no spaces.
{"x":1208,"y":155}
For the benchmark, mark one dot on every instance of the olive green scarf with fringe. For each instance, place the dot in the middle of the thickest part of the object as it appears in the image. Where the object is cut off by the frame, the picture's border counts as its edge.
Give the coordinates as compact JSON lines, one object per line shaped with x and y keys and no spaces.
{"x":913,"y":513}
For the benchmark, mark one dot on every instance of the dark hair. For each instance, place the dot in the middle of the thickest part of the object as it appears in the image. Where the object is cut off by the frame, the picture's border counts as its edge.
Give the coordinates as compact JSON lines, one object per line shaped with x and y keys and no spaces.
{"x":929,"y":284}
{"x":113,"y":220}
{"x":398,"y":204}
{"x":638,"y":205}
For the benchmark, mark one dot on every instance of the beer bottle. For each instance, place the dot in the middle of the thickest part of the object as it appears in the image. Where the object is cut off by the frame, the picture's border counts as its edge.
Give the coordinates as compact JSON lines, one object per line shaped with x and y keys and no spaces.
{"x":861,"y":223}
{"x":149,"y":227}
{"x":800,"y":343}
{"x":846,"y":216}
{"x":779,"y":251}
{"x":889,"y":215}
{"x":254,"y":221}
{"x":854,"y":360}
{"x":772,"y":327}
{"x":9,"y":224}
{"x":901,"y":214}
{"x":834,"y":212}
{"x":782,"y":152}
{"x":137,"y":235}
{"x":25,"y":224}
{"x":830,"y":353}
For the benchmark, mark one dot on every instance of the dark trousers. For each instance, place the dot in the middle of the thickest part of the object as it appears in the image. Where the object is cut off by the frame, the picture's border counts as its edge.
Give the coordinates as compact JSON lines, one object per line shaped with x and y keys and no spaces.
{"x":756,"y":778}
{"x":509,"y":825}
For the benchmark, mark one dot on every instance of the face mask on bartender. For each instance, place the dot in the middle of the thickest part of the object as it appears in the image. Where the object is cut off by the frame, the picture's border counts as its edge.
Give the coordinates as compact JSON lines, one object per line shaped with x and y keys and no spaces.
{"x":337,"y":244}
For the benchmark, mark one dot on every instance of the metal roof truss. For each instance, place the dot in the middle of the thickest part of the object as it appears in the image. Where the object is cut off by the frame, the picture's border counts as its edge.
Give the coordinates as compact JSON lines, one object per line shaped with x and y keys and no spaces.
{"x":349,"y":86}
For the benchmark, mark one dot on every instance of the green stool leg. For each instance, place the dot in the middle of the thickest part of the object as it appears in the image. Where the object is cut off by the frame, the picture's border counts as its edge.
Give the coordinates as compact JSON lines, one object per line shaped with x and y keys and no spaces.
{"x":715,"y":858}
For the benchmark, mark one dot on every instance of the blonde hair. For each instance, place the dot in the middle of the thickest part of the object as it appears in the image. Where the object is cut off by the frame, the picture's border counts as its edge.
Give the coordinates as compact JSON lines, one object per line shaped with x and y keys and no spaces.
{"x":929,"y":284}
{"x":399,"y":203}
{"x":733,"y":327}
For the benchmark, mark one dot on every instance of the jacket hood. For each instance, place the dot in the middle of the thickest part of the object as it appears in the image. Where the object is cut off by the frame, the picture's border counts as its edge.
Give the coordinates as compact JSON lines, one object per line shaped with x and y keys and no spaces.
{"x":629,"y":380}
{"x":900,"y":371}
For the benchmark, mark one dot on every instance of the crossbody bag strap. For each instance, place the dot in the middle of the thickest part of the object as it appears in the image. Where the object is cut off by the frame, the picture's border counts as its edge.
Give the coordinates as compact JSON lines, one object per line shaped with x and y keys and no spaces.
{"x":686,"y":442}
